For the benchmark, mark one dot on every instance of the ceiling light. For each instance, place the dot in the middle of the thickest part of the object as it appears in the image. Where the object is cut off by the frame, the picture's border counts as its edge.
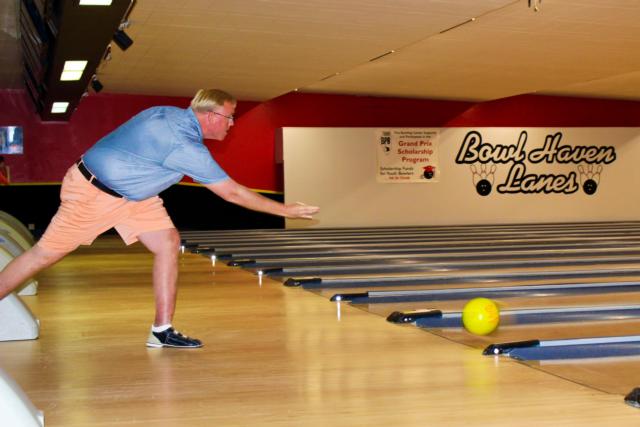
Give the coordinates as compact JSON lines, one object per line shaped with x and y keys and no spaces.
{"x":75,"y":65}
{"x":95,"y":2}
{"x":70,"y":75}
{"x":73,"y":70}
{"x":59,"y":107}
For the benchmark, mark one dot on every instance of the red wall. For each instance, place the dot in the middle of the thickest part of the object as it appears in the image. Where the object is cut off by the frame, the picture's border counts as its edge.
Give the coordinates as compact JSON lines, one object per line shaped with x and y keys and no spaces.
{"x":51,"y":147}
{"x":248,"y":152}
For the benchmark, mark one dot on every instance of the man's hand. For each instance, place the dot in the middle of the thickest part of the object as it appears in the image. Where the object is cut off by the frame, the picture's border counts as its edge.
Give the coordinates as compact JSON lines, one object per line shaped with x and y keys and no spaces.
{"x":300,"y":210}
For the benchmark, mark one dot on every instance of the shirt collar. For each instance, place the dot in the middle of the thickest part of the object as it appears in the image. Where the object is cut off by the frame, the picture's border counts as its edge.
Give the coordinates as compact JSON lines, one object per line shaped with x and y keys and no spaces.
{"x":194,"y":121}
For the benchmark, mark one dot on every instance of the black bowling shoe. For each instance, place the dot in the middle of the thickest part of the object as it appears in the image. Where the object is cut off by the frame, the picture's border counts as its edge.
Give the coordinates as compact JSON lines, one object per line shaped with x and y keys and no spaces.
{"x":171,"y":338}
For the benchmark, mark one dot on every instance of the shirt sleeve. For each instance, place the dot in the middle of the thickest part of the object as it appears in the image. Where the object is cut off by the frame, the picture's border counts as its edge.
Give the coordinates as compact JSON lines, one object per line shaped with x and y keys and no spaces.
{"x":195,"y":161}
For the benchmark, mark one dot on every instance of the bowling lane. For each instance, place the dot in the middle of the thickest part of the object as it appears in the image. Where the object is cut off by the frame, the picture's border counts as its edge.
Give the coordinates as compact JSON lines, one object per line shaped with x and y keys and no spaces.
{"x":233,"y":246}
{"x":412,"y":258}
{"x":467,"y":276}
{"x":512,"y":333}
{"x":278,"y":234}
{"x":406,"y":234}
{"x":583,"y":371}
{"x":425,"y":292}
{"x":278,"y":238}
{"x":611,"y":375}
{"x":402,"y":266}
{"x":234,"y":249}
{"x":436,"y":319}
{"x":252,"y":255}
{"x":477,"y":270}
{"x":518,"y":302}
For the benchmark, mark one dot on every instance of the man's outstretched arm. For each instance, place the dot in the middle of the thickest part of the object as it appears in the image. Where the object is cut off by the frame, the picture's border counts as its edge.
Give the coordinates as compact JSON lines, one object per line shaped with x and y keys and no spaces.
{"x":233,"y":192}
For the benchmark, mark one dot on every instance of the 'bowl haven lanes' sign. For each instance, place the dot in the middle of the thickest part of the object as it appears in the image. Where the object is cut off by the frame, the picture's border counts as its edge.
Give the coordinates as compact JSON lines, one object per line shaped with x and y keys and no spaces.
{"x":484,"y":159}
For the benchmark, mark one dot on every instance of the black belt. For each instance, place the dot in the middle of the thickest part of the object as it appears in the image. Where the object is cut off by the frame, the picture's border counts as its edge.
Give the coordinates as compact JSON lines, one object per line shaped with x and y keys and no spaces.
{"x":92,"y":179}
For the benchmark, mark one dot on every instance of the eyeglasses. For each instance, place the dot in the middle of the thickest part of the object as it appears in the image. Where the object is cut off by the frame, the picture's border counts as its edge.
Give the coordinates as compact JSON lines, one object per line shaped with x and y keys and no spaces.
{"x":230,"y":118}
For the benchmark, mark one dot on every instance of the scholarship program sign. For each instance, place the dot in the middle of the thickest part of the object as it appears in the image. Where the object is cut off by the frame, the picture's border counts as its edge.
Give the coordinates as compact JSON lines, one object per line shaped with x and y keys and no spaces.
{"x":407,"y":155}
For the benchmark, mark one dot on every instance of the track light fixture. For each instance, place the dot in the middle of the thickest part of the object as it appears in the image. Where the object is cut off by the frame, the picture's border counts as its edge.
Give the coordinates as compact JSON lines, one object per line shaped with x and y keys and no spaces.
{"x":122,"y":39}
{"x":96,"y":85}
{"x":107,"y":53}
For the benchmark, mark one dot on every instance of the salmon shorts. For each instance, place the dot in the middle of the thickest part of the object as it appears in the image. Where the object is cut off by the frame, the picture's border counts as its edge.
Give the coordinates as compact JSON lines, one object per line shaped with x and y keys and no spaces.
{"x":85,"y":212}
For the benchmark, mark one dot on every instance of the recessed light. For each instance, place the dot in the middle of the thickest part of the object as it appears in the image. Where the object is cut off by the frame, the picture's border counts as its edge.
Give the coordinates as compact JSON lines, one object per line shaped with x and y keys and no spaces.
{"x":59,"y":107}
{"x":95,"y":2}
{"x":73,"y":70}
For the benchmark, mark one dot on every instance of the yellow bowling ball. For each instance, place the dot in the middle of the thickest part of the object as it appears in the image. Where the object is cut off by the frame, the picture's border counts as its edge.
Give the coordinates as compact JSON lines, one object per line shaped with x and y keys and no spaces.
{"x":480,"y":316}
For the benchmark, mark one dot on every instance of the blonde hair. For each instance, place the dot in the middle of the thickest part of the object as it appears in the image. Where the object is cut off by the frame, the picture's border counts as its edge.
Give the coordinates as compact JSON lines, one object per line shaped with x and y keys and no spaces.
{"x":208,"y":99}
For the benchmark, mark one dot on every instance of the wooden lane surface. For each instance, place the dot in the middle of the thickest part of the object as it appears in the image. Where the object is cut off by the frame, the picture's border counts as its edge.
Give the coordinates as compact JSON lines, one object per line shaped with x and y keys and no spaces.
{"x":274,"y":356}
{"x":445,"y":242}
{"x":284,"y":234}
{"x":466,"y":237}
{"x":487,"y":283}
{"x":408,"y":267}
{"x":576,"y":300}
{"x":612,"y":375}
{"x":454,"y":257}
{"x":628,"y":269}
{"x":244,"y":240}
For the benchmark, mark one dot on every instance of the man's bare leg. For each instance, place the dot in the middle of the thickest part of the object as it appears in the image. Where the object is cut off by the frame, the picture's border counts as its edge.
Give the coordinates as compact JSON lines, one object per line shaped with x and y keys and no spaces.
{"x":25,"y":266}
{"x":164,"y":245}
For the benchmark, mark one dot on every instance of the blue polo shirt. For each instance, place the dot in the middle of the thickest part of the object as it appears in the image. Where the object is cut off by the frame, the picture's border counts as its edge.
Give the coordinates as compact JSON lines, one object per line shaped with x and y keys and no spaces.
{"x":151,"y":152}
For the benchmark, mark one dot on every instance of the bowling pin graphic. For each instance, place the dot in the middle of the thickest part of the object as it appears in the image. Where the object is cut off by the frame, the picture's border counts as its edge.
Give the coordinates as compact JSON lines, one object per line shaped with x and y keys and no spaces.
{"x":590,"y":178}
{"x":483,"y":176}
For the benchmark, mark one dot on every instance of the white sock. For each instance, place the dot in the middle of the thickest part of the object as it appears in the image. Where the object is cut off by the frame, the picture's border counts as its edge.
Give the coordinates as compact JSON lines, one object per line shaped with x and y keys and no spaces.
{"x":160,"y":328}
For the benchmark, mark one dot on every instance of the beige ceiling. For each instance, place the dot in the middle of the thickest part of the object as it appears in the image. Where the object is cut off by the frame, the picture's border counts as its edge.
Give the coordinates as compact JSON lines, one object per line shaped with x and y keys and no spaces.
{"x":10,"y":65}
{"x":446,"y":49}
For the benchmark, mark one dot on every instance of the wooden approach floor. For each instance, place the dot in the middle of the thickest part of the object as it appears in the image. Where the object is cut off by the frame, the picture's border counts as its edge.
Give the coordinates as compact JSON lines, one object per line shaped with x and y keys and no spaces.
{"x":273,"y":356}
